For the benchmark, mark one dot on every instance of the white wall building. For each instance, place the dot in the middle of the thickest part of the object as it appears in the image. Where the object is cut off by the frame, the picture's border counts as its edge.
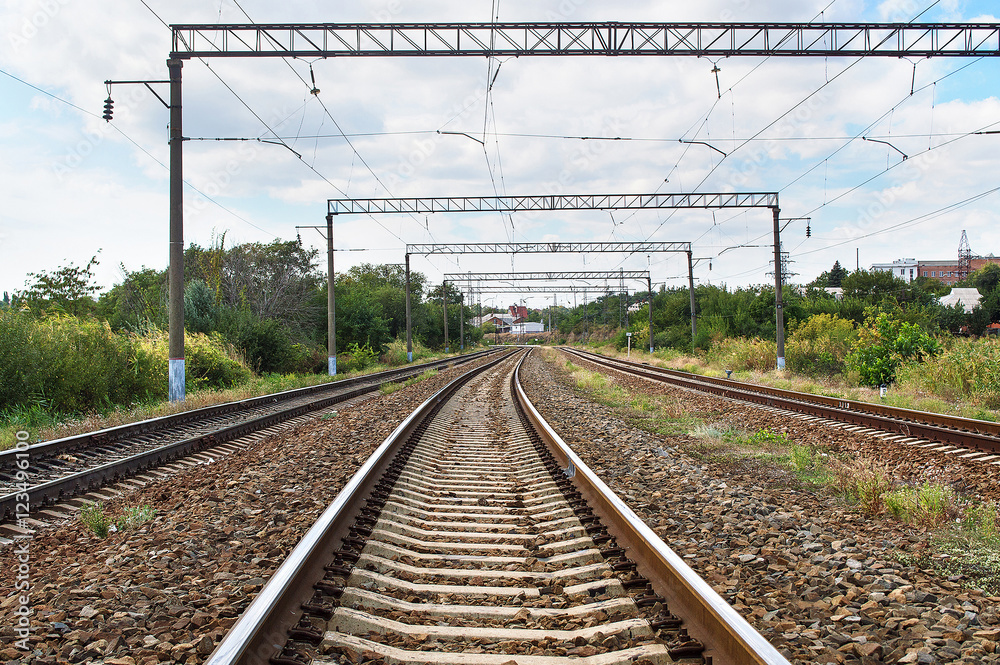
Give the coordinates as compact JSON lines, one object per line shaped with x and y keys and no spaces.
{"x":905,"y":269}
{"x":527,"y":328}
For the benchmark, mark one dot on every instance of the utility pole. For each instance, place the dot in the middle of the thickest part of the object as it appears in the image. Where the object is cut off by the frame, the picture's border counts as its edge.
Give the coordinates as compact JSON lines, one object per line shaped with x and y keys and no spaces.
{"x":444,"y":306}
{"x":779,"y":314}
{"x":461,"y":322}
{"x":409,"y":330}
{"x":649,"y":285}
{"x":175,"y":327}
{"x":694,"y":316}
{"x":331,"y":303}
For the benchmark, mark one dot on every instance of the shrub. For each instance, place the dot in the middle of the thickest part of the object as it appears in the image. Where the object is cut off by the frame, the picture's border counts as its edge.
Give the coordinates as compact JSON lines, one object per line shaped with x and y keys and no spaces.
{"x":210,"y":361}
{"x":820,"y":345}
{"x":134,"y":516}
{"x":742,"y":354}
{"x":927,"y":505}
{"x":969,"y":369}
{"x":66,"y":364}
{"x":884,"y":343}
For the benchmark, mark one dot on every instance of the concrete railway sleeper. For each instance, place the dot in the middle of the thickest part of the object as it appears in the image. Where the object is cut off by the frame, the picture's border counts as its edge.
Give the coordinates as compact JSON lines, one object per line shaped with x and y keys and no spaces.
{"x":474,"y":535}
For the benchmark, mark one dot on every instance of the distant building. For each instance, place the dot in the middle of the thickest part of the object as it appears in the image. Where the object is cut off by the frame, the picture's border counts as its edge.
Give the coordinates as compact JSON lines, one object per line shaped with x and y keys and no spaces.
{"x":501,"y":322}
{"x":969,"y":298}
{"x":905,"y":269}
{"x":518,"y":312}
{"x":948,"y":272}
{"x":527,"y":328}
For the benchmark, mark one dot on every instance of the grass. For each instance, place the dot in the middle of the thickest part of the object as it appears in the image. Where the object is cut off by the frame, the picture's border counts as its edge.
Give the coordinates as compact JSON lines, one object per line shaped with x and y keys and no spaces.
{"x":101,"y":524}
{"x":389,"y":388}
{"x":44,"y":425}
{"x":96,"y":519}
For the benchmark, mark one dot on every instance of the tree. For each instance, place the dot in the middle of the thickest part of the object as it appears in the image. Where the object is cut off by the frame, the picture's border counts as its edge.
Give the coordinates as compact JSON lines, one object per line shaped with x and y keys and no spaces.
{"x":138,"y":301}
{"x":69,"y":288}
{"x":986,"y":279}
{"x":200,"y":311}
{"x":837,"y":274}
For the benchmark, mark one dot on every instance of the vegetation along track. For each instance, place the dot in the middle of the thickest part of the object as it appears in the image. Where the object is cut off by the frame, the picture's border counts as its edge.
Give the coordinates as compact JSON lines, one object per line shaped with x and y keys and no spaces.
{"x":475,"y":535}
{"x":975,"y":440}
{"x":66,"y":467}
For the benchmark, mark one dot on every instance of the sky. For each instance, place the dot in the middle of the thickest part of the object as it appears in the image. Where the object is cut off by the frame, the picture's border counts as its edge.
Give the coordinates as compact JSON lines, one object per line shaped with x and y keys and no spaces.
{"x":74,"y":186}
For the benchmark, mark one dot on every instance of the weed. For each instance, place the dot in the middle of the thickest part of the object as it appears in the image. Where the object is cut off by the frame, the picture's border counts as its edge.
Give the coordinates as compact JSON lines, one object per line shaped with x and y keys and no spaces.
{"x":810,"y":465}
{"x":96,"y":519}
{"x":863,"y":481}
{"x":927,"y":505}
{"x":390,"y":388}
{"x":766,"y":438}
{"x":134,"y":516}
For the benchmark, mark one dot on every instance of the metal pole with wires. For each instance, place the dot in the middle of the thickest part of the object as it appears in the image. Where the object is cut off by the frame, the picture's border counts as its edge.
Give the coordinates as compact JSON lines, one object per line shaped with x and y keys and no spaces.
{"x":331,"y":302}
{"x":175,"y":320}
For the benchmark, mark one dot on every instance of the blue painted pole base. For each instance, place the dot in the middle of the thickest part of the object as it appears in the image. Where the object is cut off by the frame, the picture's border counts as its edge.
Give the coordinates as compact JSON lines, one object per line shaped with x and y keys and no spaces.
{"x":331,"y":365}
{"x":175,"y":380}
{"x":409,"y":356}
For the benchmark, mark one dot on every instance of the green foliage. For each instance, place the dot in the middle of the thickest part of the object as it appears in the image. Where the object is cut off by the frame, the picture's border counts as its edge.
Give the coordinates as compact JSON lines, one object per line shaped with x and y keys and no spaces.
{"x":201,"y":313}
{"x":741,"y":354}
{"x":357,"y":358}
{"x":980,"y":522}
{"x":209,"y":361}
{"x":820,"y":345}
{"x":94,"y":517}
{"x":264,"y":343}
{"x":133,"y":516}
{"x":967,"y":369}
{"x":138,"y":302}
{"x":67,"y":364}
{"x":884,"y":343}
{"x":928,"y":505}
{"x":68,"y":289}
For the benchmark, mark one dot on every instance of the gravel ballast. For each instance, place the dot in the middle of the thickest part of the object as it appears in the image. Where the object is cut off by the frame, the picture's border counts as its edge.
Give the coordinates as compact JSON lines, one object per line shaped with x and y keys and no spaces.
{"x":819,"y":580}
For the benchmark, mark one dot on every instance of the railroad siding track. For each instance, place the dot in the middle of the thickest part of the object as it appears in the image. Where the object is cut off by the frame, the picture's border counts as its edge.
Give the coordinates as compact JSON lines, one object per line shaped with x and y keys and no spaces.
{"x":474,"y":546}
{"x":72,"y":466}
{"x":975,"y":440}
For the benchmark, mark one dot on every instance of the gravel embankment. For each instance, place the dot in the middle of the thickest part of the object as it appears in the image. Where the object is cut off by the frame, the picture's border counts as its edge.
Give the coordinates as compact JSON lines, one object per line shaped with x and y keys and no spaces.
{"x":821,"y":582}
{"x":168,"y":590}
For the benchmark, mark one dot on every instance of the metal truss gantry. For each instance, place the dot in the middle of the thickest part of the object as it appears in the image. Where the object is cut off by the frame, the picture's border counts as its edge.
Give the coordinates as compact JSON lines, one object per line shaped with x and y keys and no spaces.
{"x":312,"y":40}
{"x":469,"y":278}
{"x":549,"y":248}
{"x":609,"y":38}
{"x":425,"y":205}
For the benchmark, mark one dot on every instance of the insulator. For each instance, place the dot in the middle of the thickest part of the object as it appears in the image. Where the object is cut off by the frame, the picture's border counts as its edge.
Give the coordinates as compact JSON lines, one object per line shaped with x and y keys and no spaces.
{"x":809,"y":231}
{"x":109,"y":109}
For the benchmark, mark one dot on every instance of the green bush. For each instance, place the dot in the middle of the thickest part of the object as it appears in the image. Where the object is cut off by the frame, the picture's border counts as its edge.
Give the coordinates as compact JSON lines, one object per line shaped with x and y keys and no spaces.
{"x":819,"y":346}
{"x":264,"y":343}
{"x":968,"y":369}
{"x":884,"y":342}
{"x":67,"y":364}
{"x":742,"y":354}
{"x":210,"y":361}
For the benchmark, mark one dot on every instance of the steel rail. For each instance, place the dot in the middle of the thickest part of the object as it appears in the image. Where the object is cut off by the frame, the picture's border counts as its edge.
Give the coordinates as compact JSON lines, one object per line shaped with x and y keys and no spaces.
{"x":963,"y":432}
{"x":264,"y":624}
{"x":112,"y":434}
{"x":727,"y":635}
{"x":62,"y":488}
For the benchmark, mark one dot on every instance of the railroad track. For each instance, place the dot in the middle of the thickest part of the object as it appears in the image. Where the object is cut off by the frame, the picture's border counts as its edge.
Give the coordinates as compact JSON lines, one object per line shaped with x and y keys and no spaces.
{"x":474,"y":535}
{"x":977,"y":440}
{"x":70,"y":466}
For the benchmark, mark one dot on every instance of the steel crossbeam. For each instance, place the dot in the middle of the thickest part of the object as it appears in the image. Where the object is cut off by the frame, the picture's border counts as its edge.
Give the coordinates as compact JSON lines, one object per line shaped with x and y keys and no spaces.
{"x":424,"y":205}
{"x":609,"y":38}
{"x":549,"y":248}
{"x":467,"y":277}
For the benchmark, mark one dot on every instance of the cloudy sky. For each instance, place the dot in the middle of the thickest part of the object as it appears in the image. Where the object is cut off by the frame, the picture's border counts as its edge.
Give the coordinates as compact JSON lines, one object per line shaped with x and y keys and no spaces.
{"x":74,"y":185}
